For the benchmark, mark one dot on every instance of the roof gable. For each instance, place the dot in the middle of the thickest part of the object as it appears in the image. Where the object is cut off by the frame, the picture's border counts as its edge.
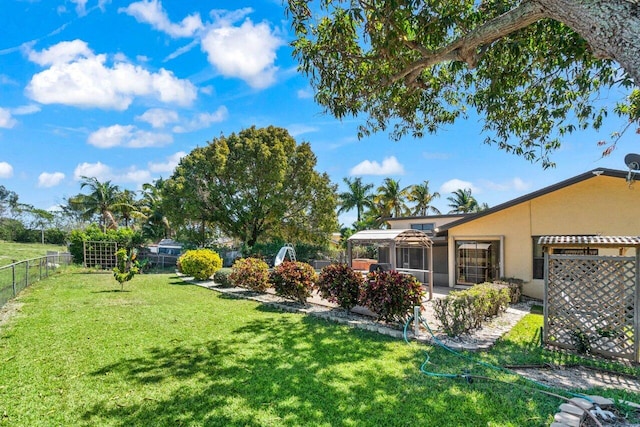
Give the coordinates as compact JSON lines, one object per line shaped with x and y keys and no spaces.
{"x":538,"y":193}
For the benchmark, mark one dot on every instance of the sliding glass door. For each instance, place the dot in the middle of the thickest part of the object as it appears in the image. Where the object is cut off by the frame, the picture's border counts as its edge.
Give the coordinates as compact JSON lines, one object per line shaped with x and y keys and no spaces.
{"x":477,"y":261}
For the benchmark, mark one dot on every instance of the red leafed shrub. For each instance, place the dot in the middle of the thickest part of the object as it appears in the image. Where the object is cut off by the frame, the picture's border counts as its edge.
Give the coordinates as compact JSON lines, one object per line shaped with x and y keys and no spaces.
{"x":391,"y":295}
{"x":340,"y":284}
{"x":293,"y":279}
{"x":250,"y":273}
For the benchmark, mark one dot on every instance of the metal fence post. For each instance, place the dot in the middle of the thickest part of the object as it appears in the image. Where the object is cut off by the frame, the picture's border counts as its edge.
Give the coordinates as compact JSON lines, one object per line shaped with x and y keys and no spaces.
{"x":13,"y":278}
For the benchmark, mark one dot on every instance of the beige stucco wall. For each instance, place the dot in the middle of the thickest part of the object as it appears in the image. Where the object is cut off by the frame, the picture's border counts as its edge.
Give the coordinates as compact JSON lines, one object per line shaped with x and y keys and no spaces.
{"x":599,"y":205}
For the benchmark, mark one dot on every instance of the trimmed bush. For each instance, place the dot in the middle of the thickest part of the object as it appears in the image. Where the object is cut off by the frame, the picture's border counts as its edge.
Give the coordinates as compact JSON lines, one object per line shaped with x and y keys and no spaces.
{"x":294,"y":280}
{"x":391,"y":295}
{"x":199,"y":263}
{"x":222,"y":278}
{"x":514,"y":285}
{"x":250,"y":273}
{"x":461,"y":311}
{"x":340,"y":284}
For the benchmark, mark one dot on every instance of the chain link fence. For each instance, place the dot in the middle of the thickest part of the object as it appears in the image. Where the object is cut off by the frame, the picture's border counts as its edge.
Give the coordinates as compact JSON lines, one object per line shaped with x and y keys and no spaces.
{"x":17,"y":276}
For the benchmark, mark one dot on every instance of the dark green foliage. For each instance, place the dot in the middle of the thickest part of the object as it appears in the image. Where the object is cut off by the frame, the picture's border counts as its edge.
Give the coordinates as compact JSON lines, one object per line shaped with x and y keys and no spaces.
{"x":199,"y":263}
{"x":283,"y":196}
{"x":461,"y":311}
{"x":221,"y":277}
{"x":340,"y":284}
{"x":531,"y":73}
{"x":391,"y":295}
{"x":250,"y":273}
{"x":125,"y":237}
{"x":294,"y":280}
{"x":126,"y":266}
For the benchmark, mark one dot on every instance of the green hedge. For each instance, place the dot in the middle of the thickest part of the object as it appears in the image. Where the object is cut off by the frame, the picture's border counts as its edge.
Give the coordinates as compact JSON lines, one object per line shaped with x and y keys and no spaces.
{"x":461,"y":311}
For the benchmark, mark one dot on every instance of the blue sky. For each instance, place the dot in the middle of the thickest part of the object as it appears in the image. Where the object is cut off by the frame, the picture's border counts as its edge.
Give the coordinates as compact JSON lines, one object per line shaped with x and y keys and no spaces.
{"x":121,"y":90}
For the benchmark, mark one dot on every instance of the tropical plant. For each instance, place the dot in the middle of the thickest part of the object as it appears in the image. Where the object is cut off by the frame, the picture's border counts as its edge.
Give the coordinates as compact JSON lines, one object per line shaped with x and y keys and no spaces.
{"x":250,"y":273}
{"x":392,"y":197}
{"x":127,"y":207}
{"x":294,"y":280}
{"x":462,"y":201}
{"x":391,"y":295}
{"x":339,"y":283}
{"x":531,"y":69}
{"x":155,"y":223}
{"x":422,"y":197}
{"x":358,"y":196}
{"x":126,"y":266}
{"x":199,"y":263}
{"x":102,"y":201}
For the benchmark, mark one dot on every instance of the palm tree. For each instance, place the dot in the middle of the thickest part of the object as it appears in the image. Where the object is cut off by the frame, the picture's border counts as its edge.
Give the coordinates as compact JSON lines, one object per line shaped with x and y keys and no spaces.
{"x":102,"y":201}
{"x":393,"y":197}
{"x":463,"y":202}
{"x":422,"y":197}
{"x":127,"y":206}
{"x":156,"y":225}
{"x":357,"y":197}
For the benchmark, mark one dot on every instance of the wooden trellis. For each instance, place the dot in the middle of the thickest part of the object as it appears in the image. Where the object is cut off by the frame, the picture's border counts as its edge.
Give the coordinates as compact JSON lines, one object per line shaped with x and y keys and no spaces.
{"x":592,"y":303}
{"x":100,"y":254}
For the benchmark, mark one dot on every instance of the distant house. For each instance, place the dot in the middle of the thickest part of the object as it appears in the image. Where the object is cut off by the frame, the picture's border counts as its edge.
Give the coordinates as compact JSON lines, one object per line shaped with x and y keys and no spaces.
{"x":166,"y":247}
{"x":503,"y":241}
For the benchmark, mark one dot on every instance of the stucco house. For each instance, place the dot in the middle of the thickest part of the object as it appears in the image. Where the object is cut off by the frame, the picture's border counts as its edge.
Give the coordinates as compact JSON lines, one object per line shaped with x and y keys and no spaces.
{"x":503,"y":240}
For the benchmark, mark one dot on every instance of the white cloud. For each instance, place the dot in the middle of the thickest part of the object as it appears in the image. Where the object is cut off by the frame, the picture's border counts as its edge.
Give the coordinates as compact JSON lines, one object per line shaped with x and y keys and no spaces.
{"x":516,"y":184}
{"x":300,"y":129}
{"x":25,"y":109}
{"x":127,"y":136}
{"x":79,"y":78}
{"x":6,"y":80}
{"x":389,"y":166}
{"x":305,"y":93}
{"x":102,"y":172}
{"x":203,"y":120}
{"x":6,"y":170}
{"x":458,"y":184}
{"x":62,"y":52}
{"x":6,"y":120}
{"x":207,"y":90}
{"x":151,"y":12}
{"x":81,"y":7}
{"x":247,"y":52}
{"x":158,"y":117}
{"x":48,"y":180}
{"x":98,"y":170}
{"x":169,"y":165}
{"x":436,"y":156}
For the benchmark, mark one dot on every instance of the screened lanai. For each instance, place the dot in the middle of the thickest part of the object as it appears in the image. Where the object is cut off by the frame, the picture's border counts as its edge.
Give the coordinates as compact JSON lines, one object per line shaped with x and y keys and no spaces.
{"x":407,"y":251}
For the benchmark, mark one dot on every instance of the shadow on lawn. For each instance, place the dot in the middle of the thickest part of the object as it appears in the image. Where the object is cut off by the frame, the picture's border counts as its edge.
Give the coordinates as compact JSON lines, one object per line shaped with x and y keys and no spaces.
{"x":279,"y":371}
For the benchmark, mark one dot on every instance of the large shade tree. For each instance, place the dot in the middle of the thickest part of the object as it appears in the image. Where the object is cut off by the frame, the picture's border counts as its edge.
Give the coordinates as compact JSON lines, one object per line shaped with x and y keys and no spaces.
{"x":532,"y":69}
{"x":254,"y":184}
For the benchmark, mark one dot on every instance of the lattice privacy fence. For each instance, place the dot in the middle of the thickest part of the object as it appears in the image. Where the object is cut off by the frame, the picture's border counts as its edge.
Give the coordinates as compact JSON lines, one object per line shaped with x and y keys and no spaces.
{"x":592,"y":304}
{"x":100,"y":254}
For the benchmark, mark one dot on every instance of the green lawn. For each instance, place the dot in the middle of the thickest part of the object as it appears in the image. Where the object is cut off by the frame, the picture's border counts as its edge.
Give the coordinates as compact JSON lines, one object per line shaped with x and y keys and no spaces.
{"x":12,"y":251}
{"x":166,"y":353}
